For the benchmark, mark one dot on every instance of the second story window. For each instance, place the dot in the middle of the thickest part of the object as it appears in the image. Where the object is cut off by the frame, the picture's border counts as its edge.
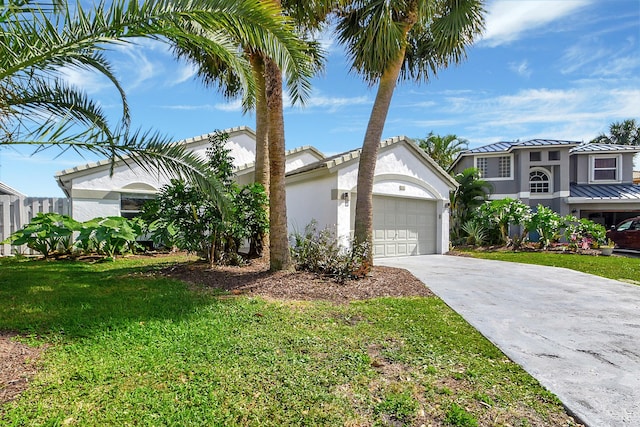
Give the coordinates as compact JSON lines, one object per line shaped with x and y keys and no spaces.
{"x":605,"y":169}
{"x":481,"y":165}
{"x":538,"y":182}
{"x":535,"y":156}
{"x":504,"y":167}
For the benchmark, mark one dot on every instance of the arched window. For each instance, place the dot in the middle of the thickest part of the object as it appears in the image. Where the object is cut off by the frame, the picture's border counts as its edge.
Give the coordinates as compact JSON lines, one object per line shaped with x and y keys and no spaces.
{"x":539,"y":181}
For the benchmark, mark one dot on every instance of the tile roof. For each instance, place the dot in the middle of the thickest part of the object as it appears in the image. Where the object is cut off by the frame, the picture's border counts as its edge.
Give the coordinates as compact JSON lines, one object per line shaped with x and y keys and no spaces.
{"x":606,"y":192}
{"x":504,"y":146}
{"x":186,"y":141}
{"x":593,"y":148}
{"x":314,"y":150}
{"x":335,"y":160}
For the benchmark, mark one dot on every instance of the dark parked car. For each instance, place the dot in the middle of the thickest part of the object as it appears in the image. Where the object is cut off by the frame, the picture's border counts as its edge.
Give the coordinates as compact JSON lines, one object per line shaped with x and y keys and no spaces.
{"x":626,"y":234}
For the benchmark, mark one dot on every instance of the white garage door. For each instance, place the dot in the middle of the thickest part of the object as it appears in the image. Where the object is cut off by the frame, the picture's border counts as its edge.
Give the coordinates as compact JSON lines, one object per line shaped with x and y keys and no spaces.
{"x":403,"y":226}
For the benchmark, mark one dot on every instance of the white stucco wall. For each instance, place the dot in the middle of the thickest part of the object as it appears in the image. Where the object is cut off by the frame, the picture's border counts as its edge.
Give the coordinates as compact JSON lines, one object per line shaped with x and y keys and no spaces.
{"x":400,"y":172}
{"x":86,"y":209}
{"x":309,"y":200}
{"x":300,"y":159}
{"x":399,"y":163}
{"x":89,"y":186}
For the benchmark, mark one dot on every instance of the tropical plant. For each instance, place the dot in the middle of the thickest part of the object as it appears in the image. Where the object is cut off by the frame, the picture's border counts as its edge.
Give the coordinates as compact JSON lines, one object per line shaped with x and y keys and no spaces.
{"x":39,"y":39}
{"x":47,"y":233}
{"x":497,"y":216}
{"x":547,"y":223}
{"x":319,"y":251}
{"x":250,"y":214}
{"x":579,"y":232}
{"x":392,"y":41}
{"x":196,"y":220}
{"x":626,"y":132}
{"x":115,"y":235}
{"x":475,"y":232}
{"x":443,"y":149}
{"x":471,"y":193}
{"x":267,"y":100}
{"x":189,"y":219}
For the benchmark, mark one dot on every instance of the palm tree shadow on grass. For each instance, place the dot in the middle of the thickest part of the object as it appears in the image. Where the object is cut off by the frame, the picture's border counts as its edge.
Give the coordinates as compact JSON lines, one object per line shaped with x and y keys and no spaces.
{"x":75,"y":299}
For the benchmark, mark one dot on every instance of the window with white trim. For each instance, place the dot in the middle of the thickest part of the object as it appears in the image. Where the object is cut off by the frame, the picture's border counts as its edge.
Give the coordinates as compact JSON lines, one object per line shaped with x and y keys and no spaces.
{"x":539,"y":182}
{"x":605,"y":168}
{"x":482,"y":166}
{"x":131,"y":204}
{"x":504,"y":167}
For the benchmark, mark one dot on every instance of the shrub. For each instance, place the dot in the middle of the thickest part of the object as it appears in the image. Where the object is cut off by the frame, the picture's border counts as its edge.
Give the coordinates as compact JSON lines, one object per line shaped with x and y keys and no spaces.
{"x":318,"y":251}
{"x":476,"y":233}
{"x":496,"y":217}
{"x":188,"y":218}
{"x":547,"y":223}
{"x":583,"y":232}
{"x":47,"y":233}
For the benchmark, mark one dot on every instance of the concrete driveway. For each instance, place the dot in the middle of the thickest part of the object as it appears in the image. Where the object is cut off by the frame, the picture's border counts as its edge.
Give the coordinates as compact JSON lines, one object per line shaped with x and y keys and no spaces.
{"x":578,"y":334}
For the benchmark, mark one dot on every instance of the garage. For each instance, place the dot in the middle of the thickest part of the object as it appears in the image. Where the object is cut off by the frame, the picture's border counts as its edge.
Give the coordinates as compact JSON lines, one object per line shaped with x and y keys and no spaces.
{"x":403,"y":226}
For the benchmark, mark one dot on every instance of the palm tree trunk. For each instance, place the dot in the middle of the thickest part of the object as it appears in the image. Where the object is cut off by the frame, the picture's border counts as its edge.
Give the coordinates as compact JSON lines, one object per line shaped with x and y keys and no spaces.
{"x":261,"y":173}
{"x":363,"y":229}
{"x":280,"y":258}
{"x":262,"y":122}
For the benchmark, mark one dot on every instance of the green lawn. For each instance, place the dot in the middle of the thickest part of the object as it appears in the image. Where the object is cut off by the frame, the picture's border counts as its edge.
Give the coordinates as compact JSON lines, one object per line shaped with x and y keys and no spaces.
{"x":613,"y":267}
{"x":128,"y":348}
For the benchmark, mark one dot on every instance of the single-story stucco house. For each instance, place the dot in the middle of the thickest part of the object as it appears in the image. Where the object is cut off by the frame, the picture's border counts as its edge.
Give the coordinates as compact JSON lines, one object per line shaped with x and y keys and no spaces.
{"x":411,"y":192}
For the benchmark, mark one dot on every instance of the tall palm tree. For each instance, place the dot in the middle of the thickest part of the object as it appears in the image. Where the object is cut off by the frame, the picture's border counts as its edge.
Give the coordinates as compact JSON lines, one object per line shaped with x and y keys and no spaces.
{"x":308,"y":15}
{"x":390,"y":41}
{"x":626,"y":132}
{"x":268,"y":104}
{"x":39,"y":38}
{"x":443,"y":149}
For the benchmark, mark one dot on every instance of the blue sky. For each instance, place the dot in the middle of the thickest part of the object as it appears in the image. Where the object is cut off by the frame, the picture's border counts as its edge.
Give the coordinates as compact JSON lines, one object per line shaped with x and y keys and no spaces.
{"x":558,"y":69}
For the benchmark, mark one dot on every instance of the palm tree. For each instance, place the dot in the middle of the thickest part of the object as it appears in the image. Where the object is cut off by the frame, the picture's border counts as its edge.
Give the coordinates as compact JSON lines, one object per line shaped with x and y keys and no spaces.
{"x":39,"y":38}
{"x":443,"y":149}
{"x":308,"y":16}
{"x":472,"y":192}
{"x":268,"y":103}
{"x":390,"y":41}
{"x":626,"y":132}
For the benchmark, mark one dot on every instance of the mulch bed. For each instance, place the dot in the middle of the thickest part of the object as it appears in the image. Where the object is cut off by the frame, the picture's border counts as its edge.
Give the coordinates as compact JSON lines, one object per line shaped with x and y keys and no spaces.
{"x":18,"y":364}
{"x":256,"y":279}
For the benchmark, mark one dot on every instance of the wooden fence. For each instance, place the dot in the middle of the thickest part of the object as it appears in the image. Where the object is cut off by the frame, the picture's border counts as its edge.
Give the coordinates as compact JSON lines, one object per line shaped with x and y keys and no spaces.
{"x":16,"y":211}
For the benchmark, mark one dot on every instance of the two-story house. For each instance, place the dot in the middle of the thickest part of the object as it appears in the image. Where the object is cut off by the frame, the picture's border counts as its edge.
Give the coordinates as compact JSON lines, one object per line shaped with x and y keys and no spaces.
{"x":593,"y":181}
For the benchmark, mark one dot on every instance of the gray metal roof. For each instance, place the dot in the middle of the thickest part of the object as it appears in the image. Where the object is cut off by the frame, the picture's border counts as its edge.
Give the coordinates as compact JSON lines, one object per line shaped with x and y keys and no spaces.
{"x":593,"y":148}
{"x":504,"y":146}
{"x":606,"y":191}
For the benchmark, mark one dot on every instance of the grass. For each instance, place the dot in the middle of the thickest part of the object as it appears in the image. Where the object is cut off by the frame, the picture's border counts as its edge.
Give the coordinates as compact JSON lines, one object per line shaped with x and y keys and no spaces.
{"x":612,"y":267}
{"x":128,"y":348}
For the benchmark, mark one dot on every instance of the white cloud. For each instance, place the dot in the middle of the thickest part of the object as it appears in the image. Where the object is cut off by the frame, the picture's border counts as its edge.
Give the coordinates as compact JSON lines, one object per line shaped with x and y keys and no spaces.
{"x":578,"y":113}
{"x":521,"y":68}
{"x":184,"y":73}
{"x":332,"y":104}
{"x":134,"y":66}
{"x":580,"y":56}
{"x":509,"y":20}
{"x":230,"y":106}
{"x":89,"y":81}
